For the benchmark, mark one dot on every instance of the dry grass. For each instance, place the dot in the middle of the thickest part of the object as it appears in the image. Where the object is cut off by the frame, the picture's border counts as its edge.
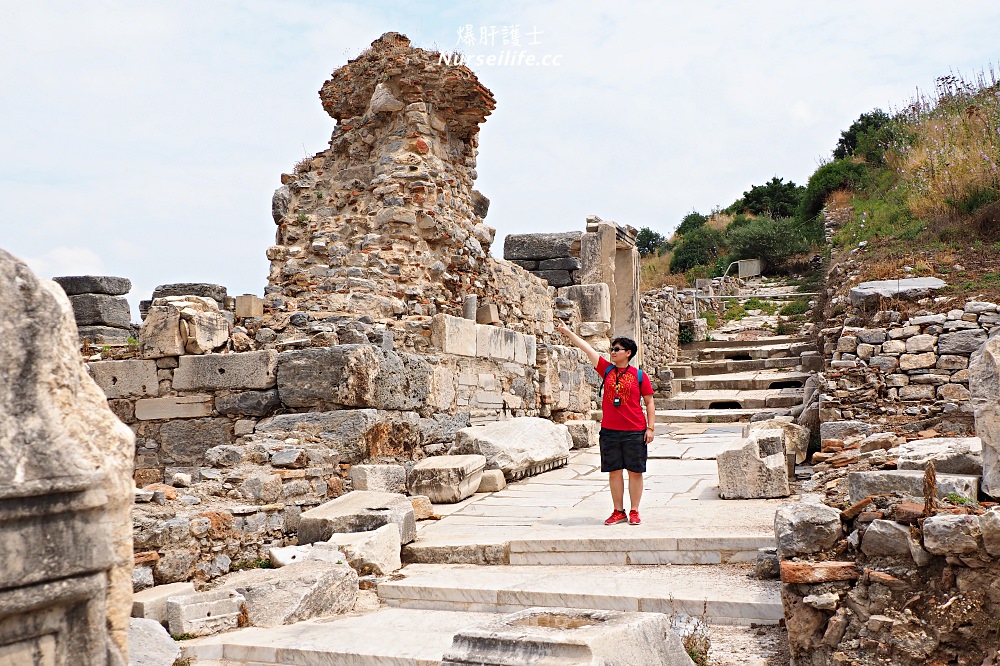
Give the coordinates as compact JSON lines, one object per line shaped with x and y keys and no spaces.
{"x":654,"y":273}
{"x":952,"y":158}
{"x":720,"y":221}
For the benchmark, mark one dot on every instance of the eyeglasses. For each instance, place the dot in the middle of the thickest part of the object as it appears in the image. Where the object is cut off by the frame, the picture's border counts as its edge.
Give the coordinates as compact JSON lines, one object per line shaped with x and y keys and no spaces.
{"x":614,"y":349}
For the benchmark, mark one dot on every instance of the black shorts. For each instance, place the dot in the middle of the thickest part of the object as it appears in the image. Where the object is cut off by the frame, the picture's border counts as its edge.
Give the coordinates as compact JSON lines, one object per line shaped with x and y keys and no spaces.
{"x":623,"y":449}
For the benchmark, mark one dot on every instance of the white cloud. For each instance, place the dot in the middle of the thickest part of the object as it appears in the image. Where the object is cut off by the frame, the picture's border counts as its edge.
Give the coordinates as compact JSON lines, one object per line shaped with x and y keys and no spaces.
{"x":63,"y":261}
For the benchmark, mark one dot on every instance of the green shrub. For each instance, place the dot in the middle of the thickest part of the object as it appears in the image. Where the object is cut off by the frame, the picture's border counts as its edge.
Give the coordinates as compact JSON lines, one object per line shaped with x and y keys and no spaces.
{"x":836,"y":175}
{"x":697,"y":248}
{"x":797,"y":307}
{"x":690,"y":222}
{"x":685,"y":335}
{"x":974,"y":200}
{"x":771,"y":241}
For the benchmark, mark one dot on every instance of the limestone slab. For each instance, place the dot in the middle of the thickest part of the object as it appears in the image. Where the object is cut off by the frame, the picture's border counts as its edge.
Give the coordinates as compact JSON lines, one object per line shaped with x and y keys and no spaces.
{"x":212,"y":372}
{"x":131,"y":378}
{"x":204,"y":613}
{"x":909,"y":483}
{"x":358,"y":511}
{"x":180,"y":407}
{"x":454,"y":335}
{"x":151,"y":603}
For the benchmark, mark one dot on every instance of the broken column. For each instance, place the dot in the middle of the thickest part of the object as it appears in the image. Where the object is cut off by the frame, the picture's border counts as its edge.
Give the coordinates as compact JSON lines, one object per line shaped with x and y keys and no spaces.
{"x":65,"y":488}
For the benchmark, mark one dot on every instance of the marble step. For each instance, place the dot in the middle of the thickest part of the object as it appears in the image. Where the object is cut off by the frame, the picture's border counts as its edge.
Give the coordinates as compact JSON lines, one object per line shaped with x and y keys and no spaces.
{"x":737,"y":399}
{"x":717,"y":595}
{"x":707,"y":415}
{"x":700,"y":368}
{"x":783,"y":340}
{"x":750,"y":380}
{"x":410,"y":638}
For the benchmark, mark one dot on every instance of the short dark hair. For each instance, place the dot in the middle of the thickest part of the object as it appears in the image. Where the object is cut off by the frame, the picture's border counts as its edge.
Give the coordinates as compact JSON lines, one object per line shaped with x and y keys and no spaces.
{"x":628,"y":344}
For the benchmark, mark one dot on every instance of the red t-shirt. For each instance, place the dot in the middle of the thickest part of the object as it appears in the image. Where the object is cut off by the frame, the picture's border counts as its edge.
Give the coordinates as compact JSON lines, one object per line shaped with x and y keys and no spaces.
{"x":631,"y":414}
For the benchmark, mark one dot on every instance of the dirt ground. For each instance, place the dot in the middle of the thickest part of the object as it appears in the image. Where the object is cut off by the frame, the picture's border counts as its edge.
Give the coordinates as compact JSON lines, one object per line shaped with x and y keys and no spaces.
{"x":748,"y":646}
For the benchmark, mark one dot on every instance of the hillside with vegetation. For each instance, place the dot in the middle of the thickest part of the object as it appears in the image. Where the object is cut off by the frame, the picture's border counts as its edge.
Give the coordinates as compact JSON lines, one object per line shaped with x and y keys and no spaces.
{"x":913,"y":192}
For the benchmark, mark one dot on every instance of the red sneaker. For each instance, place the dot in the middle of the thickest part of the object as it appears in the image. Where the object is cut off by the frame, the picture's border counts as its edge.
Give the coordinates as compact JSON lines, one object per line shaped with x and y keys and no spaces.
{"x":633,"y":517}
{"x":618,"y":516}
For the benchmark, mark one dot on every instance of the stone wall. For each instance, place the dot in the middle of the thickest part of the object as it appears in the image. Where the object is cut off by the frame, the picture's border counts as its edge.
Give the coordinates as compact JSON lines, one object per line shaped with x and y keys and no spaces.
{"x":886,"y":582}
{"x":907,"y":370}
{"x":662,"y":312}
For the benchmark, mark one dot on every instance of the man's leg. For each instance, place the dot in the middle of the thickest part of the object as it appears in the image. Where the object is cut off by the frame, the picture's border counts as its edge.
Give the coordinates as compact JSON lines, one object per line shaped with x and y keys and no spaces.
{"x":634,"y":489}
{"x":617,"y":482}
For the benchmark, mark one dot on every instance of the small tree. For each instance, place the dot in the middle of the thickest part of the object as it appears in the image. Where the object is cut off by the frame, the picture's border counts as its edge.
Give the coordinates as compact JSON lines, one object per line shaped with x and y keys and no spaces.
{"x":867,"y":137}
{"x":648,"y":241}
{"x":771,"y":241}
{"x":700,"y":247}
{"x":776,"y":198}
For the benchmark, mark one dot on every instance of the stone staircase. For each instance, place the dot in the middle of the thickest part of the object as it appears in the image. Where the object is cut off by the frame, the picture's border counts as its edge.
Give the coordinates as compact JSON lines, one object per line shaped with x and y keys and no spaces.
{"x":731,"y":380}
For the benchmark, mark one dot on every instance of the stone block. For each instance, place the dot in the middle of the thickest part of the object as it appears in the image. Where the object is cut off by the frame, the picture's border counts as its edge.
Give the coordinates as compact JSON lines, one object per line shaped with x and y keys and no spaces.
{"x":804,"y":528}
{"x":492,"y":481}
{"x":920,"y":343}
{"x":560,"y":264}
{"x":381,"y":478}
{"x":951,"y":455}
{"x":180,"y":407}
{"x":374,"y":553}
{"x":909,"y":483}
{"x":947,"y":534}
{"x":989,"y":527}
{"x":206,"y":331}
{"x":104,"y":335}
{"x":293,"y":593}
{"x":356,"y":434}
{"x":886,"y":538}
{"x":247,"y":403}
{"x":125,"y":379}
{"x":556,"y":278}
{"x":870,"y":294}
{"x":446,"y":479}
{"x":818,"y":572}
{"x":796,"y":437}
{"x":916,"y":392}
{"x":488,"y":314}
{"x":585,"y":433}
{"x":151,"y":603}
{"x":519,"y":446}
{"x":160,"y":334}
{"x":204,"y":613}
{"x":917,"y":361}
{"x":745,"y":473}
{"x":358,"y":511}
{"x":422,"y":508}
{"x":249,"y":306}
{"x":149,"y":644}
{"x":352,"y":376}
{"x":844,"y":429}
{"x":454,"y":335}
{"x":594,"y":301}
{"x":213,"y":372}
{"x":94,"y":284}
{"x":588,"y":329}
{"x":541,"y":246}
{"x":183,"y":442}
{"x":495,"y":342}
{"x":570,"y":636}
{"x":872,"y":336}
{"x":101,"y":310}
{"x":961,"y":342}
{"x":216,"y":292}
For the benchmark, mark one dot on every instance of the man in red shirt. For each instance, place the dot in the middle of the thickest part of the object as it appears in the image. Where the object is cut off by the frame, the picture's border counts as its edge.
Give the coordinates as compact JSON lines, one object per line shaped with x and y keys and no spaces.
{"x":625,"y":429}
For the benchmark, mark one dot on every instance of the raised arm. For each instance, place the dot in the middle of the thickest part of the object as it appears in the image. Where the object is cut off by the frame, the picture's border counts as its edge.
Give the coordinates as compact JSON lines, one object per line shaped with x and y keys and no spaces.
{"x":580,"y":343}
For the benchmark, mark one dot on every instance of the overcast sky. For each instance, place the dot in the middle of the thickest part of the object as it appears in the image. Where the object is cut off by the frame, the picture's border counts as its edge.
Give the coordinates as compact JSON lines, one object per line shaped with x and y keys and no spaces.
{"x":144,"y":139}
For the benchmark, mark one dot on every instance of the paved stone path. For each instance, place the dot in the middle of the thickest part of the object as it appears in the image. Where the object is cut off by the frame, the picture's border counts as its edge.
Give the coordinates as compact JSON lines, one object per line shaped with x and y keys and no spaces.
{"x":550,"y":547}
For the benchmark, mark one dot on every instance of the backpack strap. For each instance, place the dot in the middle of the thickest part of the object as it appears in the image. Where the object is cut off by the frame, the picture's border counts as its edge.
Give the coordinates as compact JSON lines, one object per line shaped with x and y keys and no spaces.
{"x":607,"y":372}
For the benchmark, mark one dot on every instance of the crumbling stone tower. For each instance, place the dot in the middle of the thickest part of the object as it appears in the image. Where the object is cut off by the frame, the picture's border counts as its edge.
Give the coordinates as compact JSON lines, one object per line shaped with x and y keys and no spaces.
{"x":386,"y":222}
